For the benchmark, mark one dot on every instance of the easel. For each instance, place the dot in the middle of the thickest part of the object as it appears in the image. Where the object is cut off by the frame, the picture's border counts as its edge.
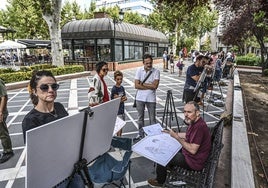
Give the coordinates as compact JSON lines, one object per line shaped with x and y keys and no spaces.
{"x":81,"y":166}
{"x":211,"y":96}
{"x":49,"y":165}
{"x":169,"y":110}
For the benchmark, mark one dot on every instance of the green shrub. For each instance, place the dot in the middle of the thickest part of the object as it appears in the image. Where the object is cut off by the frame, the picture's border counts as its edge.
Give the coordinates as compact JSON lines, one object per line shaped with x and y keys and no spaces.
{"x":14,"y":77}
{"x":249,"y":60}
{"x":25,"y":73}
{"x":6,"y":70}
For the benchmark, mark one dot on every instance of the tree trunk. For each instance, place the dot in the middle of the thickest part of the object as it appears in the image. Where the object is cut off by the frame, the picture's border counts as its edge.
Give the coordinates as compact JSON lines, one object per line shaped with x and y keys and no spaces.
{"x":52,"y":18}
{"x":264,"y":62}
{"x":260,"y":38}
{"x":174,"y":48}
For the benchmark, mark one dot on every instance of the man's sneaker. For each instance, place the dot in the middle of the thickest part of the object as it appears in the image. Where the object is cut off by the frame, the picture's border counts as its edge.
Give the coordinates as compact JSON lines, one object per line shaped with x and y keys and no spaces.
{"x":6,"y":156}
{"x":154,"y":183}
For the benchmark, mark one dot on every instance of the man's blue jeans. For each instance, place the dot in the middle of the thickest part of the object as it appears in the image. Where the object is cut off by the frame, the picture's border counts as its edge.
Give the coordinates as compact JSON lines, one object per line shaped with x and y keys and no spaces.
{"x":151,"y":106}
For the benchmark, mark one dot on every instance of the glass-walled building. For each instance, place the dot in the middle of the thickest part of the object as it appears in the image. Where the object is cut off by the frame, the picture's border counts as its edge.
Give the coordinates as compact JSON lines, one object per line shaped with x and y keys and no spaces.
{"x":103,"y":39}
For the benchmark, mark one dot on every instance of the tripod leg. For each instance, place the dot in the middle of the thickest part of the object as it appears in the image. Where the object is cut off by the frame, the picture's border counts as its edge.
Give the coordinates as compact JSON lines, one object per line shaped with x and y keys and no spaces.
{"x":220,"y":90}
{"x":167,"y":113}
{"x":164,"y":114}
{"x":174,"y":111}
{"x":171,"y":112}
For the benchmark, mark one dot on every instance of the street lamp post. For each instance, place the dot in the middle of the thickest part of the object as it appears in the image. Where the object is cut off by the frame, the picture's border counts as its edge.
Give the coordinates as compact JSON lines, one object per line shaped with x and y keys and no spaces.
{"x":116,"y":21}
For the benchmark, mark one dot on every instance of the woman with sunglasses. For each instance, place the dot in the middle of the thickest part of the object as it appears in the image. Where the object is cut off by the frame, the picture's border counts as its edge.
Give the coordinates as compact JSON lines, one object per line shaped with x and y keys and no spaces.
{"x":98,"y":91}
{"x":43,"y":92}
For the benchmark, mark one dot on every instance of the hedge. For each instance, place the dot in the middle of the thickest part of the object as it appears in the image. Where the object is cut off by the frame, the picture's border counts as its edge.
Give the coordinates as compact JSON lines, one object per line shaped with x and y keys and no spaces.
{"x":25,"y":73}
{"x":248,"y":60}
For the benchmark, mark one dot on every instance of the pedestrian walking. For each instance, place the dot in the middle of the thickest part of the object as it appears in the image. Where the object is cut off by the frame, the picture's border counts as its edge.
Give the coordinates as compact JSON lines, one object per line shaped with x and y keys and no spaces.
{"x":4,"y":134}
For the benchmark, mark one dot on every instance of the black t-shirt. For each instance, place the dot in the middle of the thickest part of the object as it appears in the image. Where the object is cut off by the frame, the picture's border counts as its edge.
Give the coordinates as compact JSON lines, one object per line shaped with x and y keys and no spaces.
{"x":35,"y":118}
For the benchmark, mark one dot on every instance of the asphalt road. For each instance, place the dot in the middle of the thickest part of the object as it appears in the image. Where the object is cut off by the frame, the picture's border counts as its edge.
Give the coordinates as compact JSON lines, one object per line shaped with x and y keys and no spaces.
{"x":73,"y":95}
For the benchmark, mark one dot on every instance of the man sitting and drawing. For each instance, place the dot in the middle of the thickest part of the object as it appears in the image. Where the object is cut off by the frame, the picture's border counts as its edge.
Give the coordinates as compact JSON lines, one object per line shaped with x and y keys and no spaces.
{"x":196,"y":143}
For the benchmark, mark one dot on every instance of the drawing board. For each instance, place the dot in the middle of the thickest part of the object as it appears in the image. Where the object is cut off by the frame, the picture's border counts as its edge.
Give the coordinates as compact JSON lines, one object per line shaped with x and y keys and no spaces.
{"x":160,"y":148}
{"x":53,"y":148}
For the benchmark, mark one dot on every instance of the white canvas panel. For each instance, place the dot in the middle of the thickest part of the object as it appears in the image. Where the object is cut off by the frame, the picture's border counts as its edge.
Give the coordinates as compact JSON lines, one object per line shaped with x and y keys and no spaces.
{"x":53,"y":149}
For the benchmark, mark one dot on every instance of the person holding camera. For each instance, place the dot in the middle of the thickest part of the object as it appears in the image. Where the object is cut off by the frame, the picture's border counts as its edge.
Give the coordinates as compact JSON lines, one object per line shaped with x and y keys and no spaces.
{"x":146,"y":82}
{"x":119,"y":91}
{"x":193,"y":74}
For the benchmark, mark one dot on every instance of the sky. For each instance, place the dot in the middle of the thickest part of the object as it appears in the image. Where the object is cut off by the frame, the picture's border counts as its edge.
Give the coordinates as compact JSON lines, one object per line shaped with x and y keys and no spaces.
{"x":83,"y":3}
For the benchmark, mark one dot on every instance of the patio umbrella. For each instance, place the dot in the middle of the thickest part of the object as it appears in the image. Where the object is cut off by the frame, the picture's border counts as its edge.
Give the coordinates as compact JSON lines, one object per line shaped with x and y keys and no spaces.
{"x":9,"y":44}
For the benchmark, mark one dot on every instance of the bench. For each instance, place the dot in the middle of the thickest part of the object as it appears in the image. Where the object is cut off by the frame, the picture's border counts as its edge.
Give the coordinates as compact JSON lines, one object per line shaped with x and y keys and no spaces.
{"x":179,"y":177}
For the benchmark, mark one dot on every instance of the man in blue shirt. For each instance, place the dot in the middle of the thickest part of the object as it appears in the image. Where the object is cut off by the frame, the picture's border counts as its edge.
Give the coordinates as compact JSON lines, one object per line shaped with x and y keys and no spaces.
{"x":193,"y":74}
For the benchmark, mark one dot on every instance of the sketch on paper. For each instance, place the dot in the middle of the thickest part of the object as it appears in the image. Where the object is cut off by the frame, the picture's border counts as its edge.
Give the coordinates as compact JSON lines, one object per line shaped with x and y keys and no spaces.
{"x":159,"y":148}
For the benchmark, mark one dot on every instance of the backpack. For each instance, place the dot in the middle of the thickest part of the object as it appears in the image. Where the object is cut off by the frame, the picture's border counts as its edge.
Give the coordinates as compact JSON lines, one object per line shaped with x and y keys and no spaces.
{"x":178,"y":64}
{"x":168,"y":57}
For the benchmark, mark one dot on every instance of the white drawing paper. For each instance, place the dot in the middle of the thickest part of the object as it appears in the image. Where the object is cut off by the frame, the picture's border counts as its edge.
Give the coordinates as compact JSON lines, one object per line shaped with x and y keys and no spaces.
{"x":159,"y":148}
{"x":119,"y":124}
{"x":154,"y":129}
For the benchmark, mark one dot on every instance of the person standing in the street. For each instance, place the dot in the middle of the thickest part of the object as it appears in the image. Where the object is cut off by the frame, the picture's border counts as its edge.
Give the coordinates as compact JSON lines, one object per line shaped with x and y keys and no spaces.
{"x":146,"y":91}
{"x":98,"y":90}
{"x":193,"y":75}
{"x":165,"y":60}
{"x":4,"y":134}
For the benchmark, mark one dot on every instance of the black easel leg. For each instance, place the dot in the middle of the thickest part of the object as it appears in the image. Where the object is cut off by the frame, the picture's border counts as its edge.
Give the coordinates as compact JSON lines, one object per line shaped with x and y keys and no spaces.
{"x":81,"y":166}
{"x":169,"y":111}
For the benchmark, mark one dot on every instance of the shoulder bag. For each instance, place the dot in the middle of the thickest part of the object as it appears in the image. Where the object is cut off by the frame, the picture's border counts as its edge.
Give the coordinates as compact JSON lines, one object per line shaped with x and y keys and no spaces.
{"x":135,"y":104}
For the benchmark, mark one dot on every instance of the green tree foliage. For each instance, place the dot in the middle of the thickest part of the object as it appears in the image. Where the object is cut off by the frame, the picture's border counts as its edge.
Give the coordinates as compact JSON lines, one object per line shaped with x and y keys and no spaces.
{"x":89,"y":13}
{"x":72,"y":11}
{"x":248,"y":18}
{"x":190,"y":3}
{"x":181,"y":20}
{"x":133,"y":18}
{"x":25,"y":19}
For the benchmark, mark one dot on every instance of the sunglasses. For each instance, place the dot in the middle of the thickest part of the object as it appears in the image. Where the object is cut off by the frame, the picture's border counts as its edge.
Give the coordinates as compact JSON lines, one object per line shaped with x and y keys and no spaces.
{"x":104,"y":70}
{"x":45,"y":87}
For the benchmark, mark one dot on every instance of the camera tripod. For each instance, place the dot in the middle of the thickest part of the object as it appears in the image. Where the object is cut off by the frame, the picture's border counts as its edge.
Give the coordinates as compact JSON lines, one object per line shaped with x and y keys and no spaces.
{"x":170,"y":111}
{"x":213,"y":98}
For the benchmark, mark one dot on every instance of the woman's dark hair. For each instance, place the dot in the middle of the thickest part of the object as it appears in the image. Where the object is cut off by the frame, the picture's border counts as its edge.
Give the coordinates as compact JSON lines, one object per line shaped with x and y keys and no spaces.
{"x":36,"y":76}
{"x":99,"y":65}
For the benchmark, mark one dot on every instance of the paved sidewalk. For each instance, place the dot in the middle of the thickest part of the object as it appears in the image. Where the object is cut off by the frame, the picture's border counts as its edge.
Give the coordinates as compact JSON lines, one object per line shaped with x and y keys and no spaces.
{"x":73,"y":95}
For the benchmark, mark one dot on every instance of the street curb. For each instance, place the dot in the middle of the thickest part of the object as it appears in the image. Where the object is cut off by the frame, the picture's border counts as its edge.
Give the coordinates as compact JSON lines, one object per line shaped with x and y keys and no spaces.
{"x":249,"y":67}
{"x":22,"y":84}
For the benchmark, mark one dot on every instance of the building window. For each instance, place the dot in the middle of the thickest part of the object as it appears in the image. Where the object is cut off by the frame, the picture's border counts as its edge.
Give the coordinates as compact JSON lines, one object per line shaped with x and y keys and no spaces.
{"x":151,"y":48}
{"x":78,"y":49}
{"x":90,"y":50}
{"x":67,"y":49}
{"x":118,"y":50}
{"x":133,"y":50}
{"x":104,"y":49}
